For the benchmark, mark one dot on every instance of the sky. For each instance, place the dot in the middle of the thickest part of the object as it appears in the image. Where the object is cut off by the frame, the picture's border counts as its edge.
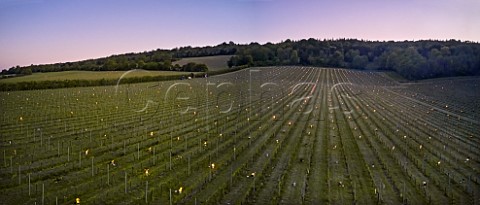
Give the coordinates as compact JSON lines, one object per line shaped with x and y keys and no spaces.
{"x":51,"y":31}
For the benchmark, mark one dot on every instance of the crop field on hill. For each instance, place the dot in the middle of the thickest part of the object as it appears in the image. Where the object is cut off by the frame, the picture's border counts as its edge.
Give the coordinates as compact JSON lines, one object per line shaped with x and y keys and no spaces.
{"x":214,"y":63}
{"x":269,"y":135}
{"x":87,"y":75}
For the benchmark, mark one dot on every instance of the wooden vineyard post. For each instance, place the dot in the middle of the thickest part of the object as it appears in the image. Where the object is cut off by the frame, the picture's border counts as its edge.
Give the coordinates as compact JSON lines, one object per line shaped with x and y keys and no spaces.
{"x":41,"y":138}
{"x":108,"y":174}
{"x":19,"y":176}
{"x":448,"y":182}
{"x":29,"y":187}
{"x":146,"y":192}
{"x":92,"y":166}
{"x":126,"y":189}
{"x":43,"y":193}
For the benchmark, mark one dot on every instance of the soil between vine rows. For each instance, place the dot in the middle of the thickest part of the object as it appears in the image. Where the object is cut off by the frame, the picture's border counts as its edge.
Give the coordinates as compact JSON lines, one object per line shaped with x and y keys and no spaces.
{"x":268,"y":135}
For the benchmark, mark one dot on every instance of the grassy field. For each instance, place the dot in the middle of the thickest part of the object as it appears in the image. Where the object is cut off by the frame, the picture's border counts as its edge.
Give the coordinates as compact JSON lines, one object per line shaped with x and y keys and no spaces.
{"x":270,"y":135}
{"x":214,"y":63}
{"x":87,"y":75}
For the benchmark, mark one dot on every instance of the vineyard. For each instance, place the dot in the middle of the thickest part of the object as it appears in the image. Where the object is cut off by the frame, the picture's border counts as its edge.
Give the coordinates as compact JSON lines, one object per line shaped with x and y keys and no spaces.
{"x":267,"y":135}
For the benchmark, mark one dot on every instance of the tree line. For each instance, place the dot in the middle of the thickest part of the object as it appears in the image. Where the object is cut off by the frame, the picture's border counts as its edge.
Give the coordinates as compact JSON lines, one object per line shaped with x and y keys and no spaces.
{"x":412,"y":59}
{"x":159,"y":59}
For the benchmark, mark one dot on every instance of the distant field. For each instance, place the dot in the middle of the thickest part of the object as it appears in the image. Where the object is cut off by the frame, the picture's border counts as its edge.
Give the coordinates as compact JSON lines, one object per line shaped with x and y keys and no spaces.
{"x":214,"y":63}
{"x":87,"y":75}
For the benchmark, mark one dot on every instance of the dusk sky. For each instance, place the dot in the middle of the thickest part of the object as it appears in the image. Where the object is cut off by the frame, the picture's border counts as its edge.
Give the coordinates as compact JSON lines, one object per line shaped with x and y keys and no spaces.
{"x":50,"y":31}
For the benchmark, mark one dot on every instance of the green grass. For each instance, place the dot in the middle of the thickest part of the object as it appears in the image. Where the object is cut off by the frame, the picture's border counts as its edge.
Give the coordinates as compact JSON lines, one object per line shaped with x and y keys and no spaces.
{"x":367,"y":142}
{"x":87,"y":75}
{"x":214,"y":63}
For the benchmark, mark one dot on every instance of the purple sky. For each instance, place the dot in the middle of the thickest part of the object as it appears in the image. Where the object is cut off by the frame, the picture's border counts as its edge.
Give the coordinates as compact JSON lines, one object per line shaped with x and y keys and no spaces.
{"x":49,"y":31}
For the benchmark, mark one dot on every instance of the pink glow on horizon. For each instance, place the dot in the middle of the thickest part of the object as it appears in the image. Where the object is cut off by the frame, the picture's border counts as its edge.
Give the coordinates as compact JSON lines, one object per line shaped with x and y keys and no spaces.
{"x":40,"y":32}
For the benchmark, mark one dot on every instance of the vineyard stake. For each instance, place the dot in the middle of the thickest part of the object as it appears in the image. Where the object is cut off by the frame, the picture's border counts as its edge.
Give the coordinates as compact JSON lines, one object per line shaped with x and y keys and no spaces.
{"x":29,"y":188}
{"x":146,"y":192}
{"x":43,"y":193}
{"x":126,"y":190}
{"x":41,"y":138}
{"x":108,"y":174}
{"x":19,"y":176}
{"x":448,"y":181}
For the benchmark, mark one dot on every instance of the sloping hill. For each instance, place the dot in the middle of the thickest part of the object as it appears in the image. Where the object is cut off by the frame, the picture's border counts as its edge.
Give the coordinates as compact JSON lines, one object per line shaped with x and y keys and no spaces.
{"x":214,"y":63}
{"x":88,"y":75}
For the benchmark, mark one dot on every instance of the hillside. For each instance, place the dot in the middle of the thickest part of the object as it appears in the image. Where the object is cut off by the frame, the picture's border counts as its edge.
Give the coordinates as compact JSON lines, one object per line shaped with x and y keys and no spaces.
{"x":290,"y":135}
{"x":214,"y":63}
{"x":413,"y":60}
{"x":87,"y":75}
